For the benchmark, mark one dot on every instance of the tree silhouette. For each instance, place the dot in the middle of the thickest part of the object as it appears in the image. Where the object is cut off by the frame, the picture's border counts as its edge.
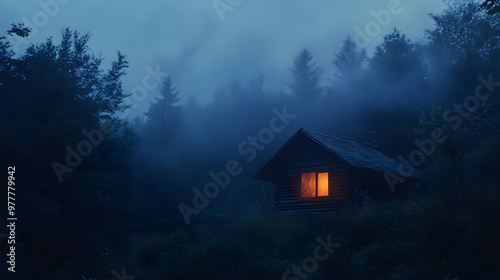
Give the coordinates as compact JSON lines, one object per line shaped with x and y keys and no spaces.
{"x":492,"y":6}
{"x":349,"y":59}
{"x":463,"y":32}
{"x":305,"y":76}
{"x":348,"y":66}
{"x":54,"y":101}
{"x":395,"y":56}
{"x":165,"y":115}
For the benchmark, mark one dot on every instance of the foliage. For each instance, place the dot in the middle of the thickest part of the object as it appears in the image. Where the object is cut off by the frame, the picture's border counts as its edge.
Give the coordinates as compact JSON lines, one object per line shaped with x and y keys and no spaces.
{"x":118,"y":207}
{"x":349,"y":60}
{"x":48,"y":96}
{"x":492,"y":6}
{"x":463,"y":31}
{"x":395,"y":56}
{"x":165,"y":115}
{"x":305,"y":76}
{"x":348,"y":64}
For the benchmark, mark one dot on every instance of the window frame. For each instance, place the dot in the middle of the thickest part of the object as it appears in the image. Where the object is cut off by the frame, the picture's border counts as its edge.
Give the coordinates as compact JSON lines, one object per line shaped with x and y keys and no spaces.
{"x":316,"y":198}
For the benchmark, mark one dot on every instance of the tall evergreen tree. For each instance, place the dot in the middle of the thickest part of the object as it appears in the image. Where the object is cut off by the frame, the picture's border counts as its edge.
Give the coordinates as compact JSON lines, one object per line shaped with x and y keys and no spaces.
{"x":305,"y":76}
{"x":348,"y":65}
{"x":165,"y":115}
{"x":349,"y":59}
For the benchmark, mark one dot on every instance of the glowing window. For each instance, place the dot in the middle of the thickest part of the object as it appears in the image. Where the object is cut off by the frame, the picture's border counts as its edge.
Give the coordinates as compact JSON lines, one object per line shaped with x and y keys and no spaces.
{"x":314,"y":184}
{"x":323,"y":184}
{"x":308,"y":185}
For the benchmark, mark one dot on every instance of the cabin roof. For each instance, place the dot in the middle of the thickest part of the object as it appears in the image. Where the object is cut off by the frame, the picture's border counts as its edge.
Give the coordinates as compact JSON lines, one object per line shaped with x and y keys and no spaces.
{"x":354,"y":154}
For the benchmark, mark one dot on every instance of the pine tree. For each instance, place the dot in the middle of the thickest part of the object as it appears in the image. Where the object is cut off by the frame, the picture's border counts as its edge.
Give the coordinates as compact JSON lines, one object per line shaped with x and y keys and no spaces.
{"x":350,"y":59}
{"x":165,"y":115}
{"x":305,"y":75}
{"x":348,"y":65}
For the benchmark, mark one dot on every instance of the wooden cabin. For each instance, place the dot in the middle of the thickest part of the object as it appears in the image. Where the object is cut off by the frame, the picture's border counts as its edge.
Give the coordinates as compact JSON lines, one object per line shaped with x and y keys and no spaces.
{"x":315,"y":172}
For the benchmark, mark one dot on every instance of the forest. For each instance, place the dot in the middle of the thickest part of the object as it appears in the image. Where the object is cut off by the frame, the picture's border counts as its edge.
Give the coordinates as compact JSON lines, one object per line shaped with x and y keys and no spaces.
{"x":102,"y":194}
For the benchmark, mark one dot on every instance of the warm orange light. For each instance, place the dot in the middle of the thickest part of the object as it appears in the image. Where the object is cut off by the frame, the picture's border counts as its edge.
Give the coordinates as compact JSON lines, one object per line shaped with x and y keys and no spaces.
{"x":323,"y":184}
{"x":308,"y":186}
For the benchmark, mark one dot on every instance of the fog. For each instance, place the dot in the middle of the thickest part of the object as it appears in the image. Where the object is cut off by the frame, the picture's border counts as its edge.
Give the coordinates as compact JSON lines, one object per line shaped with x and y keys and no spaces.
{"x":188,"y":38}
{"x":132,"y":134}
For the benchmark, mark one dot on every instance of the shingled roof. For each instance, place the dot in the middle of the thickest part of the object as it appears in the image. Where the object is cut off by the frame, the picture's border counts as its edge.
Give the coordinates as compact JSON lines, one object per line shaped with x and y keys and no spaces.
{"x":356,"y":155}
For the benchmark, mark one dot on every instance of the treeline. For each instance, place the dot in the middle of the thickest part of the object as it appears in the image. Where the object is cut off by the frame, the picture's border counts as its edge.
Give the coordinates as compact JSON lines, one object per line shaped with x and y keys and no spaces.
{"x":401,"y":92}
{"x":89,"y":182}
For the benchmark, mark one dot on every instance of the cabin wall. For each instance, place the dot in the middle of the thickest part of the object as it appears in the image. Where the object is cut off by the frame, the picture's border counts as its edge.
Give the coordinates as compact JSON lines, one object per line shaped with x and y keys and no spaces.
{"x":310,"y":157}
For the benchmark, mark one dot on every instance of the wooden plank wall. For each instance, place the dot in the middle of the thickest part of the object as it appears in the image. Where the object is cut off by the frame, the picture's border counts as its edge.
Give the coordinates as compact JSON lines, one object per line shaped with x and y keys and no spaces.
{"x":310,"y":157}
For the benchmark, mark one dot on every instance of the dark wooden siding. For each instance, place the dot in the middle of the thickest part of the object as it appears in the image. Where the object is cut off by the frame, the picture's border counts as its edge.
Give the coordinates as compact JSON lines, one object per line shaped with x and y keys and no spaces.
{"x":310,"y":157}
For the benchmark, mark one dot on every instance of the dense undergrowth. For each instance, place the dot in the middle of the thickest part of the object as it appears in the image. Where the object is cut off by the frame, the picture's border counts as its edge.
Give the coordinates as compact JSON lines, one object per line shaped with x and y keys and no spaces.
{"x":427,"y":237}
